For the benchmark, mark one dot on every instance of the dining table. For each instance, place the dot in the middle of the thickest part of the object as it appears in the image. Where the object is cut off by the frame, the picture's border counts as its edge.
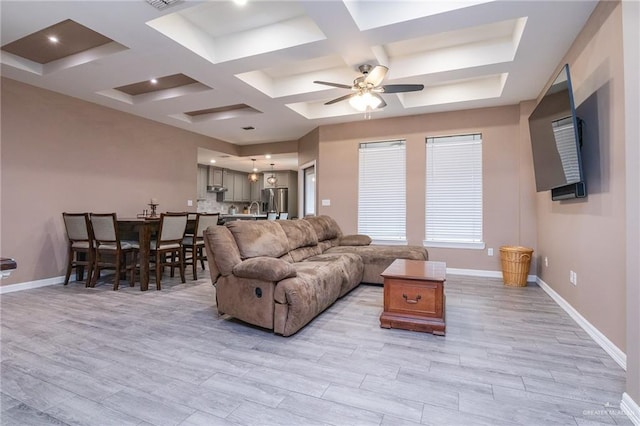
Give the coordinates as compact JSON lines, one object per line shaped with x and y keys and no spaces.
{"x":144,"y":228}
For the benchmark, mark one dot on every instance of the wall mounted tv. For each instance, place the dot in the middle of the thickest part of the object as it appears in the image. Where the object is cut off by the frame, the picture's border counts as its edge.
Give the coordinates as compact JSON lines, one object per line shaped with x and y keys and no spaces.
{"x":556,"y":138}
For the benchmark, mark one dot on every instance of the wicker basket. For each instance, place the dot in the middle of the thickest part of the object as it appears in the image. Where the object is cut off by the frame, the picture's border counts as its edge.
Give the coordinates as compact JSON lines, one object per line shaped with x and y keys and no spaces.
{"x":515,"y":265}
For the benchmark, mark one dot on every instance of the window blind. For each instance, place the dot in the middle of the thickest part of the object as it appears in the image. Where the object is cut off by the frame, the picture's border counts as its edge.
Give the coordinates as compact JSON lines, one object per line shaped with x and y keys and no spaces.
{"x":453,"y":211}
{"x":382,"y":191}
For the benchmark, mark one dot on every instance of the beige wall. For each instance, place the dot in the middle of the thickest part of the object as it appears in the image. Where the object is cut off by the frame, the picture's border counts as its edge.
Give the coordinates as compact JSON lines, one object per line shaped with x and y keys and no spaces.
{"x":63,"y":154}
{"x":631,"y":43}
{"x":507,"y":174}
{"x":588,"y":235}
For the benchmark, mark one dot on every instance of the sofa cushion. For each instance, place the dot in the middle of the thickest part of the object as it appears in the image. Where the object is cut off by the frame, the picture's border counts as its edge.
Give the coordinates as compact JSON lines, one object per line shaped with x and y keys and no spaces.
{"x":326,"y":228}
{"x":300,"y":254}
{"x":264,"y":268}
{"x":299,"y":233}
{"x":313,"y":290}
{"x":259,"y":238}
{"x":354,"y":240}
{"x":377,"y":258}
{"x":222,"y":245}
{"x":351,"y":267}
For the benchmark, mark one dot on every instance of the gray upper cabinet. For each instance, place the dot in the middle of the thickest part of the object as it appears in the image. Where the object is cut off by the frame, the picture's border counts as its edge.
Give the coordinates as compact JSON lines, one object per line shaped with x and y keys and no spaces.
{"x":229,"y":183}
{"x":216,"y":177}
{"x":241,"y":189}
{"x":282,"y":179}
{"x":202,"y":182}
{"x":256,"y":188}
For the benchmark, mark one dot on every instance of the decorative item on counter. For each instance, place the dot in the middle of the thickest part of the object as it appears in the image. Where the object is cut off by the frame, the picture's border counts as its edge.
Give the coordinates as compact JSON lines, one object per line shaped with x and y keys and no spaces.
{"x":245,"y":210}
{"x":233,"y":209}
{"x":153,"y":204}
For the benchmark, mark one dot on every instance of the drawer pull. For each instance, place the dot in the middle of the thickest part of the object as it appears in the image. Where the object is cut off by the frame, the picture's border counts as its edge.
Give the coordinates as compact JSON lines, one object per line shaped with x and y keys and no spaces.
{"x":413,"y":302}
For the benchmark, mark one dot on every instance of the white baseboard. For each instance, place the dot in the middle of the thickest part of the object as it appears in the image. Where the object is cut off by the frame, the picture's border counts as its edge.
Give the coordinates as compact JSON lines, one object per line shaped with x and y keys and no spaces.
{"x":31,"y":284}
{"x":483,"y":273}
{"x":630,"y":408}
{"x":606,"y":344}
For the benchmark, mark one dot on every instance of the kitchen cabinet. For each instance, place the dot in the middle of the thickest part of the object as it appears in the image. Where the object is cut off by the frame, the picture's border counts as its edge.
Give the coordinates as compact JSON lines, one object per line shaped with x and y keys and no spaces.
{"x":282,"y":179}
{"x":256,"y":188}
{"x":202,"y":182}
{"x":229,"y":183}
{"x":216,"y":177}
{"x":241,"y":188}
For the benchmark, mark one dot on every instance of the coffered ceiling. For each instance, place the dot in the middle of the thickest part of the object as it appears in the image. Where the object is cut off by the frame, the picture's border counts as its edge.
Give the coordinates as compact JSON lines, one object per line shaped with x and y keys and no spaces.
{"x":220,"y":67}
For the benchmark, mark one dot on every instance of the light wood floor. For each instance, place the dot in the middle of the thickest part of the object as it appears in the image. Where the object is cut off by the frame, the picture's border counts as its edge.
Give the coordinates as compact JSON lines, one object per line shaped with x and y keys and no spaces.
{"x":72,"y":355}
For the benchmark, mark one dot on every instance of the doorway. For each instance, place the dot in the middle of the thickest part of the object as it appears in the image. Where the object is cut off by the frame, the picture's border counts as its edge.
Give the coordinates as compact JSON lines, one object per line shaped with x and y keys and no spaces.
{"x":307,"y":187}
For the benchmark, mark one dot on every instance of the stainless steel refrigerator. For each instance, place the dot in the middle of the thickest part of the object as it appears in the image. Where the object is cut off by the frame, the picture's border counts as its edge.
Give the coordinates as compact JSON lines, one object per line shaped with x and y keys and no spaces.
{"x":275,"y":200}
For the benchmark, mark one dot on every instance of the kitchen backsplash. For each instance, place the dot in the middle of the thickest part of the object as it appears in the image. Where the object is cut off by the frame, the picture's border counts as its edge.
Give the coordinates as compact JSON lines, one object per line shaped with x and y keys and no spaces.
{"x":211,"y":205}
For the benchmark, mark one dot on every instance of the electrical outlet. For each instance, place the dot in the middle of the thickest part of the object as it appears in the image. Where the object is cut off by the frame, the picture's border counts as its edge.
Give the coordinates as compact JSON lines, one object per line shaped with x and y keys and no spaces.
{"x":189,"y":203}
{"x":575,"y":278}
{"x":326,"y":202}
{"x":546,"y":262}
{"x":571,"y":277}
{"x":490,"y":252}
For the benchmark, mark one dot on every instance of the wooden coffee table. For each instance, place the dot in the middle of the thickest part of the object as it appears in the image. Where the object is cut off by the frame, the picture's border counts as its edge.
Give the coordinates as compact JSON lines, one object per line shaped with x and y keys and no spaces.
{"x":414,"y":296}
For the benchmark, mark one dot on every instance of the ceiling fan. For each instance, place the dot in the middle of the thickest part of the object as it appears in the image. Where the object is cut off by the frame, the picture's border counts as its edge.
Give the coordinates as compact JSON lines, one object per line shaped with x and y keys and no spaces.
{"x":366,"y":89}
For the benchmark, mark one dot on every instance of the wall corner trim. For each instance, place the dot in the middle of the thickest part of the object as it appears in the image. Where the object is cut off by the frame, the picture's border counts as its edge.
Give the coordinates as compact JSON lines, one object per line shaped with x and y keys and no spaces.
{"x":614,"y":352}
{"x":28,"y":285}
{"x":630,"y":408}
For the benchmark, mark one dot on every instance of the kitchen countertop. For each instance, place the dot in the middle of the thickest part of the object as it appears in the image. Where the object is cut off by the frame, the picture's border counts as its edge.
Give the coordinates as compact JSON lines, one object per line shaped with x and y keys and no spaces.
{"x":242,"y":215}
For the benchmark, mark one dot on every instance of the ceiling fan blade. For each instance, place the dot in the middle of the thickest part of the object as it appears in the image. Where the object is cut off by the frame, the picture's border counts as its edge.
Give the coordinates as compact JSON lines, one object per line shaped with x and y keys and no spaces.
{"x":327,"y":83}
{"x":399,"y":88}
{"x":341,"y":98}
{"x":382,"y":102}
{"x":376,"y":75}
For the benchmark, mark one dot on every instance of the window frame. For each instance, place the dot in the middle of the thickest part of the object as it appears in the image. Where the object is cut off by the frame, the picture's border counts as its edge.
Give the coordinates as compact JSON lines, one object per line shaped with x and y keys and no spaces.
{"x":474,"y":139}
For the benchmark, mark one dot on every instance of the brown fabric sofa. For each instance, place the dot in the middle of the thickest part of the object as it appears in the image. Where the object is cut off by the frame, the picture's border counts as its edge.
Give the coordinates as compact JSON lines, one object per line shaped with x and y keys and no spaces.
{"x":281,"y":274}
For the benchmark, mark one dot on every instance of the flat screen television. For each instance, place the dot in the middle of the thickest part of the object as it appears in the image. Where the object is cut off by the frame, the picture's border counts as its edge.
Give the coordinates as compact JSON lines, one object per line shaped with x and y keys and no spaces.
{"x":556,"y":140}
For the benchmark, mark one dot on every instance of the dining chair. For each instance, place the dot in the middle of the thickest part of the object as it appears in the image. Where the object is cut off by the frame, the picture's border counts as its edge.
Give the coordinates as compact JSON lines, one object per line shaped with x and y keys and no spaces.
{"x":193,"y":244}
{"x":283,"y":216}
{"x":168,"y":244}
{"x":81,"y":246}
{"x":272,"y":216}
{"x":111,"y":251}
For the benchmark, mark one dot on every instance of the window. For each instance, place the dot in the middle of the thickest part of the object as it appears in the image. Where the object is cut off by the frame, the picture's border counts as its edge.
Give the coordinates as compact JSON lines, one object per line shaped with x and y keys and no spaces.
{"x":453,"y":213}
{"x":382,"y":191}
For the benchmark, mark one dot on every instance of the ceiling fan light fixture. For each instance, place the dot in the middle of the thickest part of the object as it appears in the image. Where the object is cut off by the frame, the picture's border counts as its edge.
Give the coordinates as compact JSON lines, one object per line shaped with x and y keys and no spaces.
{"x":365,"y":101}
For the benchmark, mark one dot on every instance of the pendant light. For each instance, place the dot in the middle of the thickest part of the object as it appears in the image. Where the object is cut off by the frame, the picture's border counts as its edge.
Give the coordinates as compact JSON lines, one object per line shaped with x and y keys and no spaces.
{"x":253,"y":177}
{"x":272,"y":180}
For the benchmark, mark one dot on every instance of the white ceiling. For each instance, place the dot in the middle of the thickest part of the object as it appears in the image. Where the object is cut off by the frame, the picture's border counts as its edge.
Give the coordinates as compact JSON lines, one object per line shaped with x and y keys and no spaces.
{"x":266,"y":54}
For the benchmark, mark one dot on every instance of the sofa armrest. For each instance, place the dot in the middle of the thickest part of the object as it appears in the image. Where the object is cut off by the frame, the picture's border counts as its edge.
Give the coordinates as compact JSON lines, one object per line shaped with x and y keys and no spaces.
{"x":264,"y":268}
{"x":354,"y":240}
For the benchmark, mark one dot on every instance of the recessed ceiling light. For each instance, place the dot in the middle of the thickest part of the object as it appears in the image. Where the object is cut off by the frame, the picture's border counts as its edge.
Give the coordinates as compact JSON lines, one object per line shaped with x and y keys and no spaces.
{"x":153,"y":81}
{"x":268,"y":156}
{"x":53,"y":39}
{"x":240,"y":2}
{"x":212,"y":161}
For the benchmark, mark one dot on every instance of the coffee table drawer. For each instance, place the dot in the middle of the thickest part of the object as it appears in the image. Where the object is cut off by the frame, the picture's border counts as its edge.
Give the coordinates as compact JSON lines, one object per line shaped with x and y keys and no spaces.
{"x":415,"y":298}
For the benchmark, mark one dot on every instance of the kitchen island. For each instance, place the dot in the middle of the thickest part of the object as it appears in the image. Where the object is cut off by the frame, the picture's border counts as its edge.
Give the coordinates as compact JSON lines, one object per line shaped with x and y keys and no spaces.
{"x":242,"y":216}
